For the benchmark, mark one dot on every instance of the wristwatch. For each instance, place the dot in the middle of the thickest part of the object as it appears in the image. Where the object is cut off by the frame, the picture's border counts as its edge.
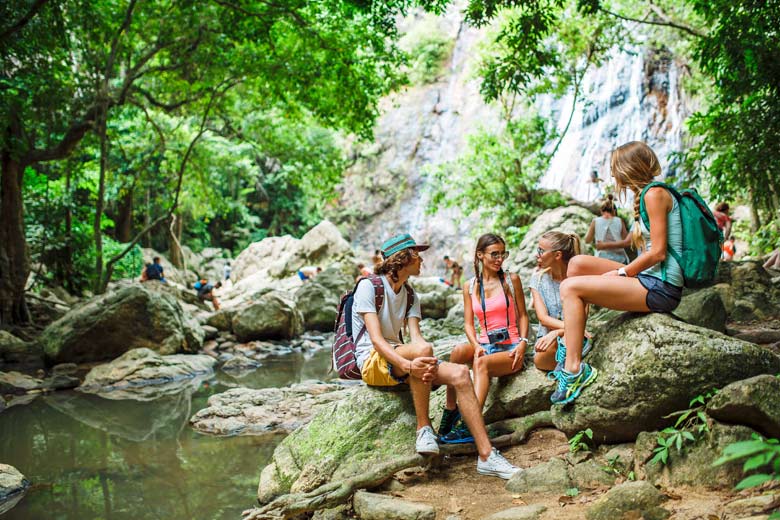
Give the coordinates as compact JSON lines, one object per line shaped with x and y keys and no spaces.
{"x":523,"y":339}
{"x":622,"y":271}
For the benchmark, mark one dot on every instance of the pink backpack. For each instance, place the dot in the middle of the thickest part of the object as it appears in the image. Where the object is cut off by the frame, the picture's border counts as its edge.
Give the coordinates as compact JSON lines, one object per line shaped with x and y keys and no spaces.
{"x":343,"y":345}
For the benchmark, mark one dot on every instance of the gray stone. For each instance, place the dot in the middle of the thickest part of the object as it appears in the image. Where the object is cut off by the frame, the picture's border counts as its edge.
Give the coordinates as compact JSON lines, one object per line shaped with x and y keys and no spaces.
{"x":210,"y":332}
{"x":590,"y":474}
{"x":693,"y":466}
{"x":15,"y":350}
{"x":221,"y":320}
{"x":132,"y":316}
{"x":18,"y":383}
{"x":12,"y":487}
{"x":61,"y":382}
{"x":240,"y":364}
{"x":435,"y":297}
{"x":518,"y":395}
{"x":318,"y":305}
{"x":743,"y":507}
{"x":244,"y":411}
{"x":272,"y":316}
{"x":703,"y":308}
{"x":651,"y":366}
{"x":754,"y":402}
{"x":640,"y":498}
{"x":144,"y":375}
{"x":372,"y":506}
{"x":65,"y":369}
{"x":549,"y":477}
{"x":620,"y":457}
{"x":752,"y":295}
{"x":519,"y":513}
{"x":341,"y":512}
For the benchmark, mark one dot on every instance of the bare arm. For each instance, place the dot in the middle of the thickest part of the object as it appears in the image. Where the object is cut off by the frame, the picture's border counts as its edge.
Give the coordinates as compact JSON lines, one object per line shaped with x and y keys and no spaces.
{"x":658,"y":202}
{"x":522,"y":316}
{"x":541,"y":312}
{"x":468,"y":316}
{"x":591,"y":232}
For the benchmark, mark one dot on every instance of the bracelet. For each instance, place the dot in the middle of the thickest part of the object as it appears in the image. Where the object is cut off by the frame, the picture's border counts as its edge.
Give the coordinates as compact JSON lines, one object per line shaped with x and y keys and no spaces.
{"x":523,"y":339}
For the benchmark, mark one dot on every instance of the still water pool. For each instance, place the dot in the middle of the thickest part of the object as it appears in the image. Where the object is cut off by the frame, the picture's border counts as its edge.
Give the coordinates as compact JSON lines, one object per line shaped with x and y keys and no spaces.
{"x":93,"y":458}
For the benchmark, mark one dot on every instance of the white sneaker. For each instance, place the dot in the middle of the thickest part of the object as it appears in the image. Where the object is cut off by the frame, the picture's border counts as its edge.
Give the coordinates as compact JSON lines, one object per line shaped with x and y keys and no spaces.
{"x":497,"y":466}
{"x":426,"y":441}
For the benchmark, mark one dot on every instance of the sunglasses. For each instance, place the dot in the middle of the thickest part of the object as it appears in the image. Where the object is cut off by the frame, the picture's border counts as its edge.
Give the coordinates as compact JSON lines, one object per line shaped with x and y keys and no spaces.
{"x":495,"y":255}
{"x":540,"y":251}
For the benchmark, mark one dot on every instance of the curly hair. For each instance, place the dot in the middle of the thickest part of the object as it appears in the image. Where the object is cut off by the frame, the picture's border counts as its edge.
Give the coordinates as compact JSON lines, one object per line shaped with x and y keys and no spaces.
{"x":395,"y":262}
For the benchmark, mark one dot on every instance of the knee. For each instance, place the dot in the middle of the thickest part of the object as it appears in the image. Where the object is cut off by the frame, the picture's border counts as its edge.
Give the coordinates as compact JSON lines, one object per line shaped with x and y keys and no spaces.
{"x":423,"y":350}
{"x":568,"y":287}
{"x":577,"y":265}
{"x":459,"y":354}
{"x":480,"y":365}
{"x":460,"y":377}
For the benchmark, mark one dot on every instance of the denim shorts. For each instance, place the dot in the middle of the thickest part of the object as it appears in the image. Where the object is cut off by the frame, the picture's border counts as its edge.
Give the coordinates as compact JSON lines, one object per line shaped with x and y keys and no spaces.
{"x":661,"y":296}
{"x":493,"y":348}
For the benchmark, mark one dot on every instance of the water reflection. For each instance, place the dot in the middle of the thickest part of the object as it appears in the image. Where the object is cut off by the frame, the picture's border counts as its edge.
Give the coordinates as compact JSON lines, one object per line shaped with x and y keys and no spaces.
{"x":91,"y":458}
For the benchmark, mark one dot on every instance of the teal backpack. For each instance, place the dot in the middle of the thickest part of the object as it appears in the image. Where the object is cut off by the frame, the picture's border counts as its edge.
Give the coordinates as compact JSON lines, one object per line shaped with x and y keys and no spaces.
{"x":702,"y":240}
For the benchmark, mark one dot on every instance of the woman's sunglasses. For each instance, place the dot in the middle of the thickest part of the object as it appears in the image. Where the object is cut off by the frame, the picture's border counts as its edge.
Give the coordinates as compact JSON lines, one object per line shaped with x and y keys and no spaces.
{"x":540,"y":251}
{"x":495,"y":255}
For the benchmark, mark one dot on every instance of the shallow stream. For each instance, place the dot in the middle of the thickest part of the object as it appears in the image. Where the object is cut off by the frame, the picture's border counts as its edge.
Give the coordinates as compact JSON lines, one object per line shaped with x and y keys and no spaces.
{"x":94,"y":458}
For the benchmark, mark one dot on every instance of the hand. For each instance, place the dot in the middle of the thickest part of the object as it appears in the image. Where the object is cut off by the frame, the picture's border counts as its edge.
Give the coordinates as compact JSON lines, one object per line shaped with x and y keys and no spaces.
{"x":597,"y":245}
{"x":611,"y":273}
{"x":479,"y":352}
{"x":546,"y":341}
{"x":517,"y":356}
{"x":424,"y":368}
{"x":588,"y":335}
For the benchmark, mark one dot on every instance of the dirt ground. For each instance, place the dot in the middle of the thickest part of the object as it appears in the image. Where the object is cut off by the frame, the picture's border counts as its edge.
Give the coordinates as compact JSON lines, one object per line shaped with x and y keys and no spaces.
{"x":455,"y":488}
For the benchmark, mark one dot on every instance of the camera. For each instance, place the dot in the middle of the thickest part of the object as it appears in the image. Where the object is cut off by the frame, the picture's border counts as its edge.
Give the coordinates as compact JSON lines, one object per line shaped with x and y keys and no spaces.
{"x":498,"y":335}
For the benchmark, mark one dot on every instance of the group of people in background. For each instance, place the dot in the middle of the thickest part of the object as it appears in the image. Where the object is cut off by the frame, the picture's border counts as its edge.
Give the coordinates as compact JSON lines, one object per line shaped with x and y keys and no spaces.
{"x":562,"y":288}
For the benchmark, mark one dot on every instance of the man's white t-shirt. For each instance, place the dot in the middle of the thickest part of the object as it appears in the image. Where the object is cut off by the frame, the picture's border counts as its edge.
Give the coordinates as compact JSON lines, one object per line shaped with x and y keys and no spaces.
{"x":391,"y":315}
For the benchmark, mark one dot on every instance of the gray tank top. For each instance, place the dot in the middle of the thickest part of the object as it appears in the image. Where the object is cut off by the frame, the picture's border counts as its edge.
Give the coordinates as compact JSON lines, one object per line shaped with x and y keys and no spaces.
{"x":609,"y":230}
{"x":674,"y":240}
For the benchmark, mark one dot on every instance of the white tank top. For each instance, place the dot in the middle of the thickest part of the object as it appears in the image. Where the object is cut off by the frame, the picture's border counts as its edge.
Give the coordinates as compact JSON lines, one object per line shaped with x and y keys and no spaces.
{"x":609,"y":230}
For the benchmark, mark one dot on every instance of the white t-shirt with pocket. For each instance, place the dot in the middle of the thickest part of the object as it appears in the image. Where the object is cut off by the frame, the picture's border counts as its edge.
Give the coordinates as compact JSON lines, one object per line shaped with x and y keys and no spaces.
{"x":391,"y":315}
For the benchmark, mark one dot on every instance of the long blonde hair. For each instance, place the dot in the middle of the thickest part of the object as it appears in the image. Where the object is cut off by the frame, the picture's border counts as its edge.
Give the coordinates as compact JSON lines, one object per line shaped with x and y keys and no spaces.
{"x":634,"y":165}
{"x":567,"y":243}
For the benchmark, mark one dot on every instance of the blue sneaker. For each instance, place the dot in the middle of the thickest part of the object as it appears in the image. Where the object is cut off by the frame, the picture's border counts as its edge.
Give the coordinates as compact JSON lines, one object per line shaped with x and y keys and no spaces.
{"x":560,"y":352}
{"x":448,"y":419}
{"x":460,"y":434}
{"x":570,"y":385}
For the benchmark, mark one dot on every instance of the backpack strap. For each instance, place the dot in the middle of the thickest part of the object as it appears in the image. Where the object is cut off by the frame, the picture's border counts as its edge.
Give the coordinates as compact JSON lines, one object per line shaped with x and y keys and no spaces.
{"x":379,"y":298}
{"x":646,"y":219}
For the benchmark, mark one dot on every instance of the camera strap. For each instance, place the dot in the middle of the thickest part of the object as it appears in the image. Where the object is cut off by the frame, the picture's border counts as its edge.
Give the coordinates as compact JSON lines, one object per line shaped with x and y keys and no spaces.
{"x":482,"y":301}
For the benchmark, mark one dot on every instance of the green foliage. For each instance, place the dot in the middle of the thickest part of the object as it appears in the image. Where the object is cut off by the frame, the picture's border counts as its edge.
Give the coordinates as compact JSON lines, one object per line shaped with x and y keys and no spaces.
{"x":496,"y":177}
{"x":572,"y":492}
{"x":761,"y":455}
{"x":690,"y":426}
{"x":577,"y":442}
{"x":427,"y":47}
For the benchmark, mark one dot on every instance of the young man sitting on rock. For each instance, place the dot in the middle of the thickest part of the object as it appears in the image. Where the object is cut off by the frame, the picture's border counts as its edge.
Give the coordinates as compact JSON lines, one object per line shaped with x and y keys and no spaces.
{"x":385,"y":361}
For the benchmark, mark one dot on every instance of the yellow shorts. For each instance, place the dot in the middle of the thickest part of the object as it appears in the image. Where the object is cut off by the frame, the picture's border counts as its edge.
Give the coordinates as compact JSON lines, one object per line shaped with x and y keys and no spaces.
{"x":377,"y":371}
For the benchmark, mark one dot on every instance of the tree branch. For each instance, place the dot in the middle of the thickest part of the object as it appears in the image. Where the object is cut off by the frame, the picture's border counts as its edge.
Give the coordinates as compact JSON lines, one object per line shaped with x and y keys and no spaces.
{"x":667,"y":23}
{"x":24,"y":20}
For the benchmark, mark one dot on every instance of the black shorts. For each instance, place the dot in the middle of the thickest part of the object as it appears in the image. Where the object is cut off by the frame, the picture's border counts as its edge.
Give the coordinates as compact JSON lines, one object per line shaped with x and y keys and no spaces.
{"x":661,"y":296}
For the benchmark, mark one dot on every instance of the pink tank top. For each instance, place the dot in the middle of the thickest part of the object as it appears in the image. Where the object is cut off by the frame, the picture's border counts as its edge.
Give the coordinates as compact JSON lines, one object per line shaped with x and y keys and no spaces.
{"x":496,"y":316}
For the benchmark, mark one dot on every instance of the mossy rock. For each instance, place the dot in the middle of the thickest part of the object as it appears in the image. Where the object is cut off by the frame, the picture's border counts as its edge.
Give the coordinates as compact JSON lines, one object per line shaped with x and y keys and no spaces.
{"x":754,"y":402}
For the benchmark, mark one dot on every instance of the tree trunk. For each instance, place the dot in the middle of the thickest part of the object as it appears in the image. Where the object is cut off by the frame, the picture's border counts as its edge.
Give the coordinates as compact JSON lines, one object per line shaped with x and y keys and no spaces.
{"x":123,"y":231}
{"x":97,"y":230}
{"x":14,"y":256}
{"x":175,"y":254}
{"x":68,"y":260}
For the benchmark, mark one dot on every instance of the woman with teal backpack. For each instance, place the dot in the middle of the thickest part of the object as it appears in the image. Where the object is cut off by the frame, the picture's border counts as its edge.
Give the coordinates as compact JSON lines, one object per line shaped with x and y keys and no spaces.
{"x":653,"y":282}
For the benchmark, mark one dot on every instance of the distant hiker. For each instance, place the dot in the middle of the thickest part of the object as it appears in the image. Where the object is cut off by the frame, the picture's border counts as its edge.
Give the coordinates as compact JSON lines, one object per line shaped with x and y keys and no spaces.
{"x":227,"y":270}
{"x":653,"y":282}
{"x":206,"y":292}
{"x":377,"y":258}
{"x":154,"y":271}
{"x":723,"y":218}
{"x":363,"y":272}
{"x":496,"y":299}
{"x":773,"y":262}
{"x":729,"y":250}
{"x":552,"y":259}
{"x":308,"y":272}
{"x":384,"y":360}
{"x":455,"y":270}
{"x":609,"y":233}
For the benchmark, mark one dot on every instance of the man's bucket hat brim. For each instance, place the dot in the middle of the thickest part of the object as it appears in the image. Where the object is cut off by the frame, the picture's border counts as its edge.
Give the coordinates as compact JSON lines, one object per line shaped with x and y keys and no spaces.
{"x":399,"y":243}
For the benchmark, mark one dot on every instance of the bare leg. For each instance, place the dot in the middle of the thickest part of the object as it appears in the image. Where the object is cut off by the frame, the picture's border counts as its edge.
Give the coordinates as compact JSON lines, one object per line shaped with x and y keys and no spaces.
{"x":485,"y":367}
{"x":581,"y":265}
{"x":545,"y":360}
{"x":421,"y":392}
{"x":613,"y":292}
{"x":461,"y":354}
{"x":458,"y":377}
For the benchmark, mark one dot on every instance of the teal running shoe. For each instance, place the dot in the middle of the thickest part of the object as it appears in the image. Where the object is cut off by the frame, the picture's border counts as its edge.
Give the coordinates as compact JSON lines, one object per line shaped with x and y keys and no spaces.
{"x":570,"y":385}
{"x":560,"y":352}
{"x":448,"y":420}
{"x":460,"y":434}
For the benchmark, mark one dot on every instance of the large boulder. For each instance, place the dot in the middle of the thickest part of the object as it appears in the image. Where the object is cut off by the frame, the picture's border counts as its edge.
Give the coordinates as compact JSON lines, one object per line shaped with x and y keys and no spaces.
{"x":142,"y":374}
{"x":754,"y":402}
{"x":132,"y":316}
{"x":12,"y":487}
{"x":319,"y":299}
{"x":436,"y":298}
{"x":567,"y":219}
{"x":14,"y":350}
{"x":173,"y":274}
{"x":245,"y":411}
{"x":747,"y":291}
{"x":703,"y":308}
{"x":629,"y":500}
{"x":273,"y":315}
{"x":651,"y":366}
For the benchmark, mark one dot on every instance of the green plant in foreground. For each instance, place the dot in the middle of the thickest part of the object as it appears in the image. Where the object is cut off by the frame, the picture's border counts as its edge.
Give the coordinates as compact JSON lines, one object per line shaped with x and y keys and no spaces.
{"x":761,"y":455}
{"x":691,"y":424}
{"x":577,"y":444}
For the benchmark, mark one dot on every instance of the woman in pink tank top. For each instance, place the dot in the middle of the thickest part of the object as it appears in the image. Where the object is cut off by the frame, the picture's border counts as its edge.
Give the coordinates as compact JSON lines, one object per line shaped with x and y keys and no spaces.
{"x":496,"y":301}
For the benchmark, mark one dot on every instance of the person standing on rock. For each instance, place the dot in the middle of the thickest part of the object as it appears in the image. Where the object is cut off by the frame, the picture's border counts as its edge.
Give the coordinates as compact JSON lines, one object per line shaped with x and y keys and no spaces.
{"x":454,"y":270}
{"x":553,"y":254}
{"x":609,"y":233}
{"x":497,"y":301}
{"x":653,"y":282}
{"x":385,"y":360}
{"x":723,"y":218}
